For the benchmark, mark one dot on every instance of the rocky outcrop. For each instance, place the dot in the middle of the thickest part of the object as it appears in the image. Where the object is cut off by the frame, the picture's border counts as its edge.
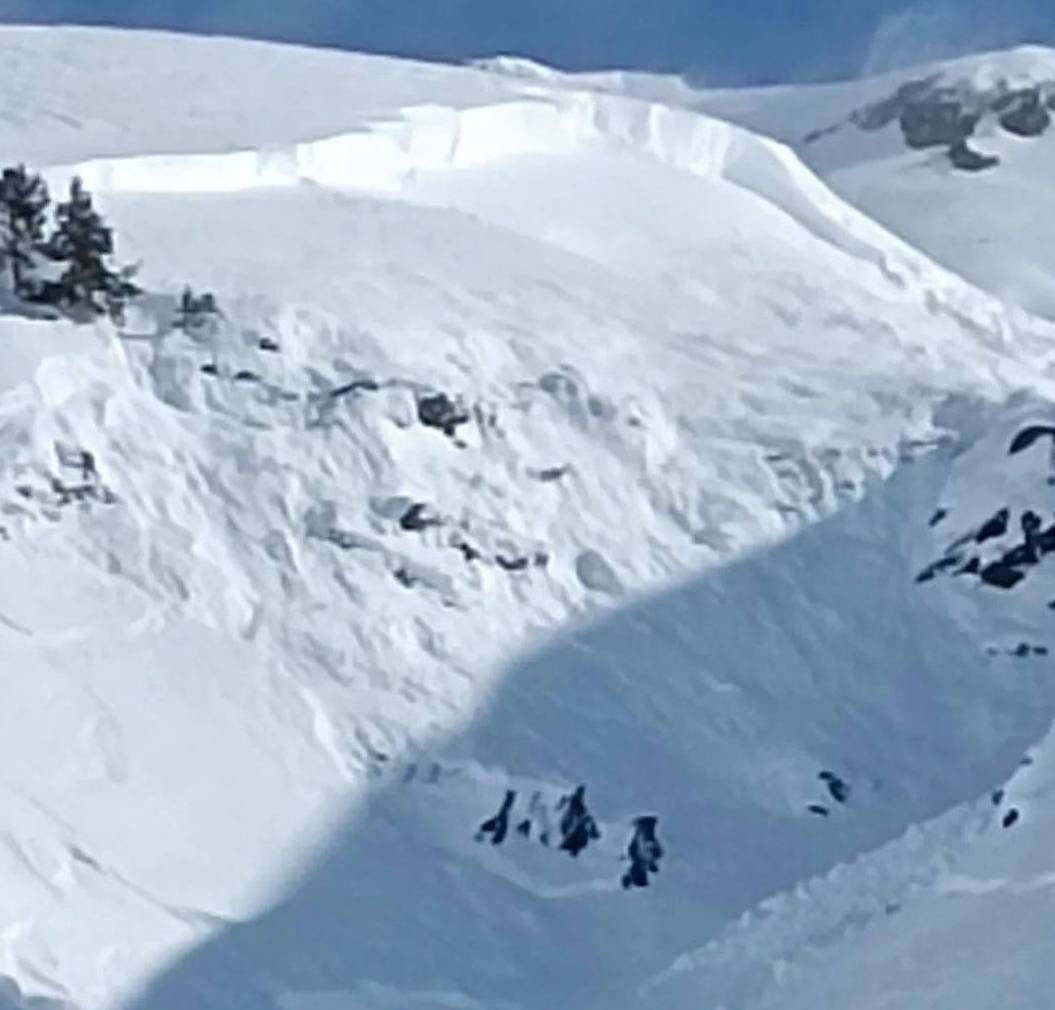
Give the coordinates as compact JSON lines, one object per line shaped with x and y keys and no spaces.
{"x":931,"y":113}
{"x":880,"y":114}
{"x":966,"y":159}
{"x":438,"y":410}
{"x":936,"y":121}
{"x":984,"y":552}
{"x":1023,"y":113}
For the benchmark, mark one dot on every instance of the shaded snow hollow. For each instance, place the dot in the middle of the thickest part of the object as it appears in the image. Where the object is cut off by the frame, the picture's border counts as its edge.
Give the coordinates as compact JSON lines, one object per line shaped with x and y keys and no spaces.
{"x":549,"y":439}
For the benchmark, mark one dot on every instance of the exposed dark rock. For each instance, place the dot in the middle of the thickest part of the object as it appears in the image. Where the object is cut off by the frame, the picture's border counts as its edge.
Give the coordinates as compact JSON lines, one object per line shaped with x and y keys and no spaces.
{"x":836,"y":786}
{"x":245,"y":375}
{"x":1027,"y":436}
{"x":404,"y":577}
{"x":469,"y":552}
{"x":997,"y":797}
{"x":1010,"y":818}
{"x":994,"y":526}
{"x":210,"y":369}
{"x":498,"y":825}
{"x":577,"y":826}
{"x":814,"y":135}
{"x":517,"y":564}
{"x":440,"y":411}
{"x":552,"y":473}
{"x":268,"y":344}
{"x":1023,"y":113}
{"x":935,"y":121}
{"x":1045,"y":540}
{"x":1001,"y":575}
{"x":938,"y":516}
{"x":1022,"y":650}
{"x":644,"y":853}
{"x":967,"y":159}
{"x":356,"y":385}
{"x":1021,"y":554}
{"x":816,"y":808}
{"x":67,"y":494}
{"x":970,"y":568}
{"x":885,"y":111}
{"x":1040,"y":650}
{"x":941,"y":565}
{"x":415,"y":519}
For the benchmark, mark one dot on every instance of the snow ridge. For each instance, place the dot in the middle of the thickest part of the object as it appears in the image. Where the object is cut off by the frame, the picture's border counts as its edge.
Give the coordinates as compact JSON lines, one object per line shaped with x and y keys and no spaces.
{"x":385,"y":155}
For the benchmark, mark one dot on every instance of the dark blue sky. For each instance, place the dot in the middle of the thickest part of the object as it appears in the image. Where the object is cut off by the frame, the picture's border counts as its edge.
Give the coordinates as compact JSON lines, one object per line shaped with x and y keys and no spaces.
{"x":719,"y":41}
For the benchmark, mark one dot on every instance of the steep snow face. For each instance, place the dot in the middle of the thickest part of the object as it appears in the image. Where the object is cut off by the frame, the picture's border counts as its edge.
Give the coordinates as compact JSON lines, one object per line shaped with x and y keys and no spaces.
{"x":548,"y":440}
{"x":883,"y":145}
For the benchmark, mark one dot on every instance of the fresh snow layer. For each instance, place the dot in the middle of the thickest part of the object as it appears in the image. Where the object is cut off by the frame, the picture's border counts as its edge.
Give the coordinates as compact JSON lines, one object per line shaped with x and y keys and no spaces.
{"x":254,"y":722}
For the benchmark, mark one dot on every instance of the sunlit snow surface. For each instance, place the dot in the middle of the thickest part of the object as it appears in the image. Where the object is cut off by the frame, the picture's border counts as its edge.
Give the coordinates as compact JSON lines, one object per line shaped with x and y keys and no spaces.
{"x":252,"y":722}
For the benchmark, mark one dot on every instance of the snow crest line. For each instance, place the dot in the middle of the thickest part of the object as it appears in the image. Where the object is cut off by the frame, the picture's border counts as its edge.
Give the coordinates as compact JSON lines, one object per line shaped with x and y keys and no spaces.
{"x":385,"y":155}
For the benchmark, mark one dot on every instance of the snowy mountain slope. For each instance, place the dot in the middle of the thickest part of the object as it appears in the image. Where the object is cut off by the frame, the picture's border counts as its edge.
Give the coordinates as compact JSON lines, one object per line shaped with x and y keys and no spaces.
{"x":869,"y":680}
{"x":983,"y":225}
{"x":282,"y":586}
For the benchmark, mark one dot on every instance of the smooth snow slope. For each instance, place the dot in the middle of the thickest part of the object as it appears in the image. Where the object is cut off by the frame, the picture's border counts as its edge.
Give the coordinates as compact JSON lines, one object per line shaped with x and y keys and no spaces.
{"x":255,"y":721}
{"x":989,"y":227}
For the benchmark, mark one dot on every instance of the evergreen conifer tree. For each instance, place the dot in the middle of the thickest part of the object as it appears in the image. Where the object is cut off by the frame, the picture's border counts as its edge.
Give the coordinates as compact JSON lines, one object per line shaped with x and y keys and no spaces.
{"x":24,"y":204}
{"x":83,"y":241}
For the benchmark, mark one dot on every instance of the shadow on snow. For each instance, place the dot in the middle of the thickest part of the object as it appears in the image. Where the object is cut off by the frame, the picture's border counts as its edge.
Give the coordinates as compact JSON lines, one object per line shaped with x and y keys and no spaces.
{"x":718,"y":706}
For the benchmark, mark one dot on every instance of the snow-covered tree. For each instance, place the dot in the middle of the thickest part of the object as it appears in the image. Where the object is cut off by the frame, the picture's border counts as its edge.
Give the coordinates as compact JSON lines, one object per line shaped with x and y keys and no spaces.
{"x":83,"y":242}
{"x":24,"y":204}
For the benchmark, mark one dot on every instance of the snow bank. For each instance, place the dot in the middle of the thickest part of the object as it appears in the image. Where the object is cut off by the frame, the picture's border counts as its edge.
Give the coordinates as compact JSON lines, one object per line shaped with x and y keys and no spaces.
{"x":381,"y":155}
{"x":384,"y":155}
